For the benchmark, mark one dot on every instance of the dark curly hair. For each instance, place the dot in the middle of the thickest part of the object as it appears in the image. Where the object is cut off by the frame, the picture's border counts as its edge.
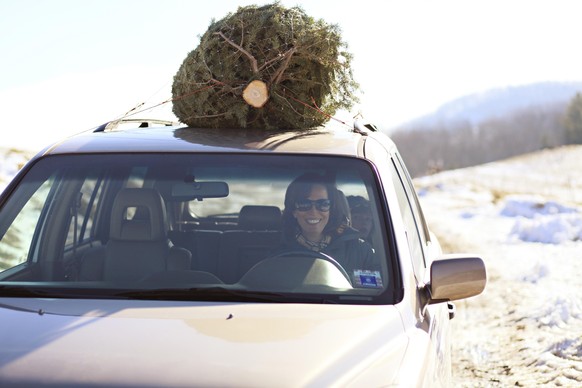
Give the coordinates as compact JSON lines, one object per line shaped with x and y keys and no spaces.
{"x":299,"y":189}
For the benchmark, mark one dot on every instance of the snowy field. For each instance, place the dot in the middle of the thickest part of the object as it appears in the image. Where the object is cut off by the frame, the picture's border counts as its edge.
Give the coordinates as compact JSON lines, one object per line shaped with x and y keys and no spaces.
{"x":524,"y":216}
{"x":11,"y":160}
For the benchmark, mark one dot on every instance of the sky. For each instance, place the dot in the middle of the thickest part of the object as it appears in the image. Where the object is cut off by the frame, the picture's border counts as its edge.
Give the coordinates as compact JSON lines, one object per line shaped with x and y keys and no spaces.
{"x":71,"y":65}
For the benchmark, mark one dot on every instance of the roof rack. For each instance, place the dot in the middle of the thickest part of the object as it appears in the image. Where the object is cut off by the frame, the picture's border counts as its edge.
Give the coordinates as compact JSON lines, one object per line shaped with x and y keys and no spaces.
{"x":364,"y":129}
{"x":120,"y":125}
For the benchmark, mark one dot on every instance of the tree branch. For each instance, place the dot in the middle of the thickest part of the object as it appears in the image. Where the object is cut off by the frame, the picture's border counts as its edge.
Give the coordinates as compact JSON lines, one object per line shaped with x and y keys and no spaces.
{"x":289,"y":104}
{"x":276,"y":59}
{"x":207,"y":116}
{"x":276,"y":78}
{"x":252,"y":59}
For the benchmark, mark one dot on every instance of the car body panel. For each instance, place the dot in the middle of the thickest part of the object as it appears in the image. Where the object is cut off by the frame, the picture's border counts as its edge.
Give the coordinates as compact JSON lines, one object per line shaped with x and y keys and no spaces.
{"x":180,"y":139}
{"x":197,"y":344}
{"x":108,"y":342}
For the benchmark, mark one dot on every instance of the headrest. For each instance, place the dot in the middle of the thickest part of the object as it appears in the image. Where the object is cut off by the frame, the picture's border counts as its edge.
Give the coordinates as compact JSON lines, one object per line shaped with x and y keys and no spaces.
{"x":253,"y":217}
{"x":149,"y":221}
{"x":343,"y":206}
{"x":358,"y":204}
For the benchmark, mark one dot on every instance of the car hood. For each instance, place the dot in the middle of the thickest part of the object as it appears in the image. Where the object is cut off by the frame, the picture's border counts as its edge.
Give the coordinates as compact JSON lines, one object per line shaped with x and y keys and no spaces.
{"x":153,"y":343}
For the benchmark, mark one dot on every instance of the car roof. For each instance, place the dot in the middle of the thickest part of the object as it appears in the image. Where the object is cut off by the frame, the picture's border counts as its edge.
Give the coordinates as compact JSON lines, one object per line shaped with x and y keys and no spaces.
{"x":331,"y":139}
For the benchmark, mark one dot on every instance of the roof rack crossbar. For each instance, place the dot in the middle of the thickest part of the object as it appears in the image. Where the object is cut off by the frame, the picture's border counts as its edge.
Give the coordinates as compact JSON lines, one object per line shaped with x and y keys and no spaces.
{"x":139,"y":123}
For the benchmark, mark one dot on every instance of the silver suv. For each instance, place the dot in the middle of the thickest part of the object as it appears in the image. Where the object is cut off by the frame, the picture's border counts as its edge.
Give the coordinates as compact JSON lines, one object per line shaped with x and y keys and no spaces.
{"x":174,"y":256}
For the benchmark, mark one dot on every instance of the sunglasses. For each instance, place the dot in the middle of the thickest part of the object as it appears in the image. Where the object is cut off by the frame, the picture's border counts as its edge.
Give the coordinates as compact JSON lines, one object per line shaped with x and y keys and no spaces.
{"x":304,"y":205}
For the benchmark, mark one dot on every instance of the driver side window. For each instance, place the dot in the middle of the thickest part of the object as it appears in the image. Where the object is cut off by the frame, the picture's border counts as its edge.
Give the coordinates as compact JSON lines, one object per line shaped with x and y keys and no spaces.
{"x":16,"y":242}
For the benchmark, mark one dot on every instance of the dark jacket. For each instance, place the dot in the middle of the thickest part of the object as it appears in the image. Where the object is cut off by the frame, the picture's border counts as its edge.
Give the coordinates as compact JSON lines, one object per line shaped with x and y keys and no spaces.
{"x":348,"y":249}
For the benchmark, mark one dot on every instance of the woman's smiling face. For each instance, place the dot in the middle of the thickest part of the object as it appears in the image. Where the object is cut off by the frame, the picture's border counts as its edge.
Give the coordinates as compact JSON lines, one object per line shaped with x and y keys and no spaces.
{"x":313,"y":221}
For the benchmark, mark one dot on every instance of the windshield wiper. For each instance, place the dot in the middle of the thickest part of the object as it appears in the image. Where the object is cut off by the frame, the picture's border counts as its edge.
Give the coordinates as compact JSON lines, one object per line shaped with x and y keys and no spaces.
{"x":27,"y":291}
{"x":215,"y":294}
{"x":23,"y":292}
{"x":220,"y":294}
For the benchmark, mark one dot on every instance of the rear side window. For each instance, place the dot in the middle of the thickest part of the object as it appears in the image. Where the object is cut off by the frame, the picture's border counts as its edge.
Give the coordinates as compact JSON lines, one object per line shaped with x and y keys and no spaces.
{"x":87,"y":203}
{"x":83,"y":211}
{"x":412,"y":217}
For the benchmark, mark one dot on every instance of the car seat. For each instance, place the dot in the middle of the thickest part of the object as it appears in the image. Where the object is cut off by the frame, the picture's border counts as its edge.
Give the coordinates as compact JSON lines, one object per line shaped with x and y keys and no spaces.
{"x":257,"y":236}
{"x":138,"y":246}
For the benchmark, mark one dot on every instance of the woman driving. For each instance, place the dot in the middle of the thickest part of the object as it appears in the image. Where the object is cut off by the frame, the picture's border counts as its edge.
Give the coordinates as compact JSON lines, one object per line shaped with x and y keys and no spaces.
{"x":316,"y":218}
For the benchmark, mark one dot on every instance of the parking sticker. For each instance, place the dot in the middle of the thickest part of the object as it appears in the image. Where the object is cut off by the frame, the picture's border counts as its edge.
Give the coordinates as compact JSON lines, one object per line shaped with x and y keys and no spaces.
{"x":368,"y":279}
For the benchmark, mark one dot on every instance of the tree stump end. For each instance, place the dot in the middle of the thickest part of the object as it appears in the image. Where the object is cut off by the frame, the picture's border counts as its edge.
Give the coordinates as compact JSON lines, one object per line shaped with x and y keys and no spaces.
{"x":256,"y":94}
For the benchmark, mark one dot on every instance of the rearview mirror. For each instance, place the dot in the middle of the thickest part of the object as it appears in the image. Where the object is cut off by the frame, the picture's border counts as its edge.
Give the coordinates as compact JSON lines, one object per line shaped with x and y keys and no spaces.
{"x":199,"y":190}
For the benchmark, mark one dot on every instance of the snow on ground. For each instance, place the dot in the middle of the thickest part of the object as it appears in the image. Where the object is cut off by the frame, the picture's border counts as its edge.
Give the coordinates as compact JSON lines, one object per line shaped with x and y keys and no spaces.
{"x":524,"y":217}
{"x":11,"y":161}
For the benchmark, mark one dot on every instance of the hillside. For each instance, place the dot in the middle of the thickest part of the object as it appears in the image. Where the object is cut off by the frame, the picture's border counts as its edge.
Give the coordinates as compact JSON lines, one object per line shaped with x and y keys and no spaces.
{"x":524,"y":217}
{"x":497,"y":103}
{"x":488,"y":126}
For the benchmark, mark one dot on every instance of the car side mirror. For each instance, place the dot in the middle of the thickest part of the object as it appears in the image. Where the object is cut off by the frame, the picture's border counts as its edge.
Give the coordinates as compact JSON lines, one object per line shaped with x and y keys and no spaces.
{"x":454,"y":277}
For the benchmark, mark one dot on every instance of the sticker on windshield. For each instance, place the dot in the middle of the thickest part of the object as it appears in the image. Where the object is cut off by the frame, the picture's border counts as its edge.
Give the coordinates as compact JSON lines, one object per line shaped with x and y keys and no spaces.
{"x":369,"y":279}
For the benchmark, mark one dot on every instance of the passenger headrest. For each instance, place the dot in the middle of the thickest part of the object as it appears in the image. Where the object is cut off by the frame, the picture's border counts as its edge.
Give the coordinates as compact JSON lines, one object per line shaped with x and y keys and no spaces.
{"x":149,"y":222}
{"x":252,"y":217}
{"x":344,"y":207}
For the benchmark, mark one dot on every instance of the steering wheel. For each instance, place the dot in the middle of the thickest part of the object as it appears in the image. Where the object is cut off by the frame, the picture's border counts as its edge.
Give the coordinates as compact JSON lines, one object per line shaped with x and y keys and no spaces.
{"x":317,"y":255}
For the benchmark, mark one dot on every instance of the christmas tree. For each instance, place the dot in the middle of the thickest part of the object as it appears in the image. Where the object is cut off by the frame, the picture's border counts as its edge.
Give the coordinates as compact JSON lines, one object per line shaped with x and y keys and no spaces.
{"x":267,"y":67}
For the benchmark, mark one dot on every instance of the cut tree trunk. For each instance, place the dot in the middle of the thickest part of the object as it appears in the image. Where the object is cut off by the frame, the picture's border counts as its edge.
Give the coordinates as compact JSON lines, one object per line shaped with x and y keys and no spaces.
{"x":256,"y":94}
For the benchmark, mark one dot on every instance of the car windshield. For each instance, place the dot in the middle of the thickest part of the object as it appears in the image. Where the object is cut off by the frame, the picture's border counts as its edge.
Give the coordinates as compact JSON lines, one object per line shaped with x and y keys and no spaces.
{"x":226,"y":227}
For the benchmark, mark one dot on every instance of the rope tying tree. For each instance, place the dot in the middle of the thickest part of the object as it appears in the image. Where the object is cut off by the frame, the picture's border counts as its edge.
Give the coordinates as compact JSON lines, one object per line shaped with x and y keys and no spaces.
{"x":266,"y":67}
